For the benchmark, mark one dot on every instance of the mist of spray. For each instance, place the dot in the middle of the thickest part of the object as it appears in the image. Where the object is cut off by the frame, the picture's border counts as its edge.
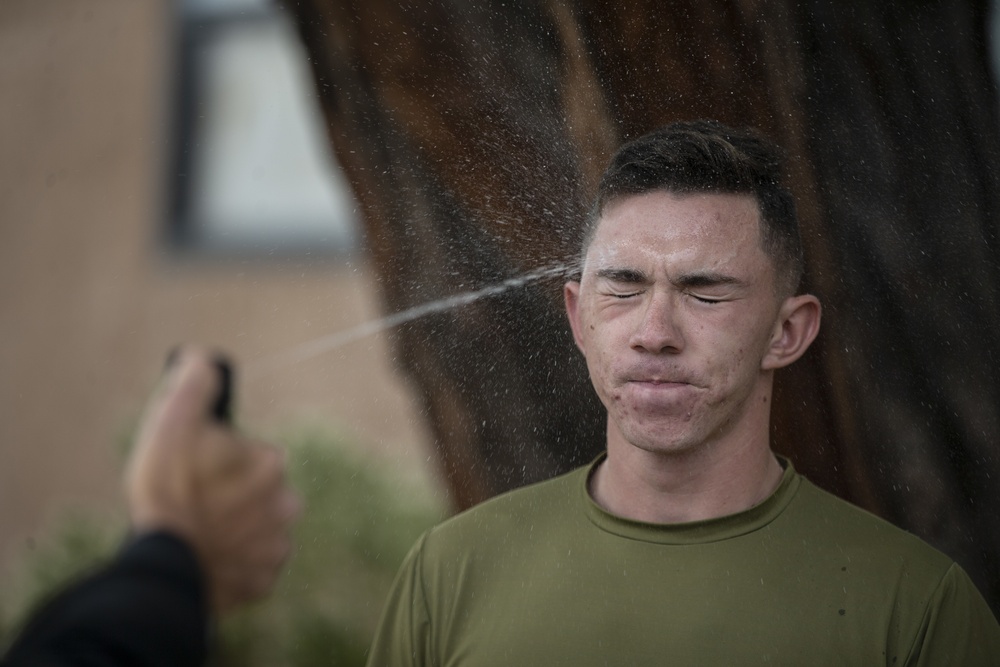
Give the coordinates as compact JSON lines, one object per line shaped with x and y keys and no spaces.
{"x":318,"y":346}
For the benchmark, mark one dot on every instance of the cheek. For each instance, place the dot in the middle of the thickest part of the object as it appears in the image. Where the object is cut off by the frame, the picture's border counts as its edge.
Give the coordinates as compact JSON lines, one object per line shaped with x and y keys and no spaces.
{"x":600,"y":368}
{"x":594,"y":338}
{"x":735,"y":370}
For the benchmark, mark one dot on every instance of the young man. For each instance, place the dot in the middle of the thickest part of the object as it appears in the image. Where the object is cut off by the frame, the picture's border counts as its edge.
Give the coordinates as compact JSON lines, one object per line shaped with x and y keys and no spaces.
{"x":689,"y":542}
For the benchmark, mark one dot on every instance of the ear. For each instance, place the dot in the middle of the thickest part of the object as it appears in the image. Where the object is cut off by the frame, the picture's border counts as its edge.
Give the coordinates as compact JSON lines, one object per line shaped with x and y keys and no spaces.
{"x":794,"y":331}
{"x":571,"y":295}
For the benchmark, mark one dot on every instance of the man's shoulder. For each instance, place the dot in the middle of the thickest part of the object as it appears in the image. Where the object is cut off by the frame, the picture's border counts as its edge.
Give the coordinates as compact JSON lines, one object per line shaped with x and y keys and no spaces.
{"x":819,"y":514}
{"x":928,"y":597}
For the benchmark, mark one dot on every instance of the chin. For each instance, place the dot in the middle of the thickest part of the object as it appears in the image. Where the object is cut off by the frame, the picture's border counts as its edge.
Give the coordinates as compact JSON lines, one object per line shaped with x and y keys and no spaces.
{"x":662,"y":441}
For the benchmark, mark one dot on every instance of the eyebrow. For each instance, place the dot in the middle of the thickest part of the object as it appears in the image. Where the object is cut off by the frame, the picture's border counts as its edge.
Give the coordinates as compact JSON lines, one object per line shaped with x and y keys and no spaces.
{"x":705,"y":279}
{"x":692,"y":280}
{"x":627,"y":276}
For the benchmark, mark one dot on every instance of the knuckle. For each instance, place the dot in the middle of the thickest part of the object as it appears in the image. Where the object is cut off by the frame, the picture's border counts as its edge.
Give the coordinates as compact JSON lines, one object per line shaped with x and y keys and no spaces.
{"x":289,"y":506}
{"x":269,"y":461}
{"x":262,"y":583}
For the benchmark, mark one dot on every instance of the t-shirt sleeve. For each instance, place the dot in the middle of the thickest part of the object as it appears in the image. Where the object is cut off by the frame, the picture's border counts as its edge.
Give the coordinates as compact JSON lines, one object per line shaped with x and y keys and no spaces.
{"x":958,"y":627}
{"x":403,"y":635}
{"x":146,"y":609}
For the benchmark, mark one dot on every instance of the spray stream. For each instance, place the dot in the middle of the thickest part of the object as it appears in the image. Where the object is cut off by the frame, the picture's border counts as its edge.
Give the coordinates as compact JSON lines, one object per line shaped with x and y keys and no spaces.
{"x":315,"y":347}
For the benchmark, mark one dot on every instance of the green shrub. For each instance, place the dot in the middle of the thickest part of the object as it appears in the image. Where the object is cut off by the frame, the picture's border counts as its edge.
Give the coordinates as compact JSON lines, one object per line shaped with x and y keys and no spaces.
{"x":358,"y":524}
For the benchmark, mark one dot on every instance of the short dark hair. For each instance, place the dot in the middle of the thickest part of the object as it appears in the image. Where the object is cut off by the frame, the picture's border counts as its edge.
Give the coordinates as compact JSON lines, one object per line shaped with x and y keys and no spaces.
{"x":707,"y":156}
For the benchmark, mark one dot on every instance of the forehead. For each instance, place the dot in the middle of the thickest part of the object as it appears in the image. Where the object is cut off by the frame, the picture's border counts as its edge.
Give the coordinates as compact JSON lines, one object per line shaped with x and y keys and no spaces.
{"x":706,"y":230}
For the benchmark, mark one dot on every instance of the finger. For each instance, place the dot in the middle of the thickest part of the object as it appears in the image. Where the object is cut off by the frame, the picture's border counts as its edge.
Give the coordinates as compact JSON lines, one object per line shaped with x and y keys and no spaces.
{"x":251,"y":572}
{"x":159,"y":477}
{"x":192,"y":387}
{"x":245,"y":481}
{"x":290,"y":506}
{"x":271,"y":478}
{"x":268,"y":467}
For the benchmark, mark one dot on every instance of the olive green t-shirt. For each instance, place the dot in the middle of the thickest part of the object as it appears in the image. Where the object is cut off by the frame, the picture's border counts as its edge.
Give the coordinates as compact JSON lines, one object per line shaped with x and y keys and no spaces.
{"x":544,"y":576}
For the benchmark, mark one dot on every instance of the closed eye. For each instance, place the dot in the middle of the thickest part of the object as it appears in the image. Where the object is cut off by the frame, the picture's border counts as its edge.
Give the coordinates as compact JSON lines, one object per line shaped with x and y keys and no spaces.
{"x":706,"y":299}
{"x":622,"y":283}
{"x":711,"y":281}
{"x":623,"y":294}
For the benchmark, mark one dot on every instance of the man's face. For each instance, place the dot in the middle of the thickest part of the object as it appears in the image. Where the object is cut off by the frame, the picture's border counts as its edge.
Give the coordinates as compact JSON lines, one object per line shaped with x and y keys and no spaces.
{"x":675,"y":313}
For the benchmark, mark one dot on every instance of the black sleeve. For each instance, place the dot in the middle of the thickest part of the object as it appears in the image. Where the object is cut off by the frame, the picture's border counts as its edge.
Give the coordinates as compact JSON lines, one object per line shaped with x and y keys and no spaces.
{"x":146,"y":609}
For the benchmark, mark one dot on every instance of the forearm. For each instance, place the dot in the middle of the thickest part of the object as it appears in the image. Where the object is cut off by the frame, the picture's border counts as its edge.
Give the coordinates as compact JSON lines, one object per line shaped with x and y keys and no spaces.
{"x":147,"y":608}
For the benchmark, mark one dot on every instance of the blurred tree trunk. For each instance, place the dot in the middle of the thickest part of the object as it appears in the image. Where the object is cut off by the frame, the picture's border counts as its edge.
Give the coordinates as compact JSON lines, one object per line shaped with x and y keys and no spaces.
{"x":473,"y":134}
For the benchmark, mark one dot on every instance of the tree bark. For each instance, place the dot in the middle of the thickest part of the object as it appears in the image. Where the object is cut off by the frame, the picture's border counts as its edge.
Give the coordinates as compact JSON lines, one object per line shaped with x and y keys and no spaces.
{"x":473,"y":134}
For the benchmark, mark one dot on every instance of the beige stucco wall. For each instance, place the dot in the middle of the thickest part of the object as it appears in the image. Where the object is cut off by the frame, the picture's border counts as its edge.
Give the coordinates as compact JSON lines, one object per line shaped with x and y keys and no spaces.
{"x":89,"y":300}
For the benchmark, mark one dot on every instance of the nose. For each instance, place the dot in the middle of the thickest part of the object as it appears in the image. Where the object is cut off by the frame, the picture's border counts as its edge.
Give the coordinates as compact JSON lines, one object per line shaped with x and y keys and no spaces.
{"x":657,"y":329}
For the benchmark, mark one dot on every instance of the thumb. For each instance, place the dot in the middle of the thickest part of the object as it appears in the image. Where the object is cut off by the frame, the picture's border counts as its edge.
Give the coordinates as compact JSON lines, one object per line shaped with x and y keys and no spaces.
{"x":160,"y":475}
{"x":185,"y":399}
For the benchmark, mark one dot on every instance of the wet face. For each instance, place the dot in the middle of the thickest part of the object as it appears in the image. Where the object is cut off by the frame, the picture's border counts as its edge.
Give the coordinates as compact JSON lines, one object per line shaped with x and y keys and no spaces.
{"x":676,"y":313}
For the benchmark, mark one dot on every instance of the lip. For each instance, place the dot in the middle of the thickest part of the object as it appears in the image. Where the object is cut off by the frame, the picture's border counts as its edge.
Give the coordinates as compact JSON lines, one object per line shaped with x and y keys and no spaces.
{"x":657,"y":395}
{"x":656,"y":373}
{"x":658,"y":386}
{"x":655,"y":376}
{"x":654,"y":382}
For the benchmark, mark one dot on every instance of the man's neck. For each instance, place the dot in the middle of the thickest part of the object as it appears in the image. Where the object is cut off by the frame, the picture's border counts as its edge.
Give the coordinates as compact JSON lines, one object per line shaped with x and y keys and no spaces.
{"x":678,"y":487}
